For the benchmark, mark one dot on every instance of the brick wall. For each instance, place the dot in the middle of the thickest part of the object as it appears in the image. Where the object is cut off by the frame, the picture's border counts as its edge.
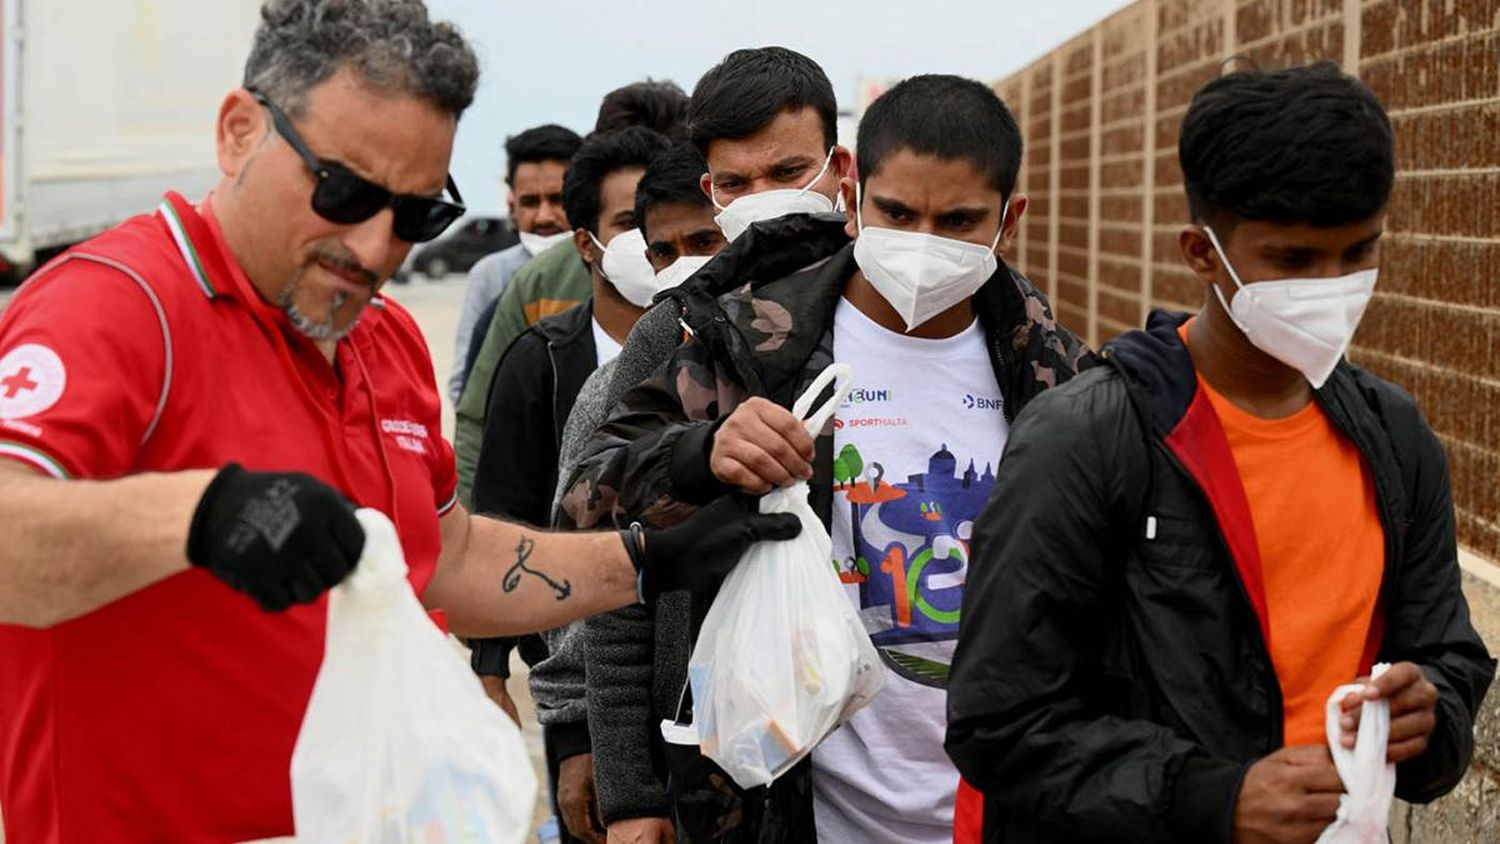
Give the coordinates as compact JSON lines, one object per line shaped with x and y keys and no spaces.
{"x":1100,"y":115}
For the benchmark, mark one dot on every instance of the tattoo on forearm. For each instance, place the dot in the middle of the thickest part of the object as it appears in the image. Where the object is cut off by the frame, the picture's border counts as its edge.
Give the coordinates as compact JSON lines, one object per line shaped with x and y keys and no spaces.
{"x":513,"y":576}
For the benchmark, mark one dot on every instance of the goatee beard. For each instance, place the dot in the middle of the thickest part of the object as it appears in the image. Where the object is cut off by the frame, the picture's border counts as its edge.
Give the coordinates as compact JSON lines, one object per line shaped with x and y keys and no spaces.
{"x":315,"y":330}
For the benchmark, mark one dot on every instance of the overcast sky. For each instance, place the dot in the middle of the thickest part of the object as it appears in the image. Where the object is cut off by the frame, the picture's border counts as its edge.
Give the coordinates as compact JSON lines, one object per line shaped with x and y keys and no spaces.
{"x":551,"y":62}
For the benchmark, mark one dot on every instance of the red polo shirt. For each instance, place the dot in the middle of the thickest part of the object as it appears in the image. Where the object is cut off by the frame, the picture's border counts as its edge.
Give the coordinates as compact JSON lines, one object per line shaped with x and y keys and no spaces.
{"x":170,"y":714}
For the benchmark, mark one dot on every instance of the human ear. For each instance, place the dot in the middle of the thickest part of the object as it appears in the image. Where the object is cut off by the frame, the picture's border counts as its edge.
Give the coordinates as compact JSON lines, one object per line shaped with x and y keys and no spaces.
{"x":1011,"y":225}
{"x":851,"y":206}
{"x":1198,"y":253}
{"x":241,"y":127}
{"x":842,"y":164}
{"x":585,"y":243}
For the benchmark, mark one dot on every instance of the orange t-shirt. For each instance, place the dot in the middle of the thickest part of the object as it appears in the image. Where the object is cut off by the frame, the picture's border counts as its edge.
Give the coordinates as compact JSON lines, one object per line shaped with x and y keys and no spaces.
{"x":1322,"y":550}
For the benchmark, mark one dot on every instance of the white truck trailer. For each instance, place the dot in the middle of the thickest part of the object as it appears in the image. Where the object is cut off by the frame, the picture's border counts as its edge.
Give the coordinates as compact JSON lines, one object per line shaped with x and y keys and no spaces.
{"x":107,"y":104}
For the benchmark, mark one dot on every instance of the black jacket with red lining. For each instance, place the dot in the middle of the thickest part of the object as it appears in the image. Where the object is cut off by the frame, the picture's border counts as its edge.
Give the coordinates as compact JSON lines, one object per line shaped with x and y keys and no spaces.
{"x":1112,"y":680}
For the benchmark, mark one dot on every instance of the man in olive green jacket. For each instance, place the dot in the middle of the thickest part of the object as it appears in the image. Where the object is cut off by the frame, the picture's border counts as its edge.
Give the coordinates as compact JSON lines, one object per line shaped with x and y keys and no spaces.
{"x":550,"y":283}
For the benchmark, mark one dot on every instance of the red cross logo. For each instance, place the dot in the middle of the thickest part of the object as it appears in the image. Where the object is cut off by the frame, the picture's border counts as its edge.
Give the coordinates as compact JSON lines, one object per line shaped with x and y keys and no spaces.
{"x":32,"y":379}
{"x":14,"y":384}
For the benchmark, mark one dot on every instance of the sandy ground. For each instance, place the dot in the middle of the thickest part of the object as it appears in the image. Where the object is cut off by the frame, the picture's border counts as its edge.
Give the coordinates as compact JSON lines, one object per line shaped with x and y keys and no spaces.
{"x":435,"y":306}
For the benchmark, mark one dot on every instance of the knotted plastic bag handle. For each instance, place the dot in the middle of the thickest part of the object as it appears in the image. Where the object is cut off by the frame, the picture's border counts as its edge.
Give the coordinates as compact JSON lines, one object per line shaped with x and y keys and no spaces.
{"x":841,"y":375}
{"x":1374,"y":730}
{"x":1369,"y":780}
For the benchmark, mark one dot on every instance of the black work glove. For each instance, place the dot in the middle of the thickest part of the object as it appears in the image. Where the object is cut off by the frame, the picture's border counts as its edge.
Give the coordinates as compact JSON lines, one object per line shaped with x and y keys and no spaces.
{"x":697,"y":553}
{"x":279,"y":537}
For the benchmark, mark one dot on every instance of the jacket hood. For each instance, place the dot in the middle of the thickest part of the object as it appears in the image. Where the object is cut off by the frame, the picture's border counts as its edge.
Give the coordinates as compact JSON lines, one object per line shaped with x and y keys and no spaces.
{"x":805,"y":258}
{"x":768,"y":250}
{"x":1160,"y":371}
{"x":569,"y":325}
{"x":1158,"y":365}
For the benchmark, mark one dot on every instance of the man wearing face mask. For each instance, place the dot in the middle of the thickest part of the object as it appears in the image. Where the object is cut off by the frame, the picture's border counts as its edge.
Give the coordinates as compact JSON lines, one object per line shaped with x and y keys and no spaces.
{"x":947,"y":345}
{"x":768,"y":117}
{"x":535,"y":161}
{"x":540,"y":377}
{"x":533,"y":392}
{"x":556,"y":279}
{"x":764,"y":120}
{"x":1158,"y":619}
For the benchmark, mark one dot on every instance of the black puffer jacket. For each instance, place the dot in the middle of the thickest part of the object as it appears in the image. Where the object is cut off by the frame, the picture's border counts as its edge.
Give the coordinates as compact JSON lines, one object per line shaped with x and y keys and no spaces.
{"x":1108,"y":687}
{"x":535,"y":384}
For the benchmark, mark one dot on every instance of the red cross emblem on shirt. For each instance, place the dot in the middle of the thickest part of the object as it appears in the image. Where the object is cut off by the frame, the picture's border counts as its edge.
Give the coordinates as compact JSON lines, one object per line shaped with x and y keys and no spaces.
{"x":13,"y":385}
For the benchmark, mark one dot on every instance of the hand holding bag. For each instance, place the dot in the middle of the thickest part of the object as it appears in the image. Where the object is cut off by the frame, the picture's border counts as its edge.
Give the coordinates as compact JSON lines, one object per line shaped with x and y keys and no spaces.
{"x":782,"y":658}
{"x":400,"y":743}
{"x":1369,"y":780}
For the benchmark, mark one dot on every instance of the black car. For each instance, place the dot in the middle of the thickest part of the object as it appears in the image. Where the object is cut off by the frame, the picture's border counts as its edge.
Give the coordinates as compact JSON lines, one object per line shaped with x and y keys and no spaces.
{"x":461,"y":248}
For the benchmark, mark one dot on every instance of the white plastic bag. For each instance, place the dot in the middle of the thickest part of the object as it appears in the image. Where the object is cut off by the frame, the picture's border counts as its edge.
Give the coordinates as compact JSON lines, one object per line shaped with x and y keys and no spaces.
{"x":1369,"y":781}
{"x":782,"y":658}
{"x":399,"y":743}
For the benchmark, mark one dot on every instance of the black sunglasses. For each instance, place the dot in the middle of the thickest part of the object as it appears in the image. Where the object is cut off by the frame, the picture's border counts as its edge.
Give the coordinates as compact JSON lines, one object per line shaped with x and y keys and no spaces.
{"x":344,"y":197}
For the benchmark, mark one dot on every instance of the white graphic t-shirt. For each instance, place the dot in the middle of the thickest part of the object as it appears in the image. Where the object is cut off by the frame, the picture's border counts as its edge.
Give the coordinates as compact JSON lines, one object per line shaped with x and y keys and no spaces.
{"x":915,"y":451}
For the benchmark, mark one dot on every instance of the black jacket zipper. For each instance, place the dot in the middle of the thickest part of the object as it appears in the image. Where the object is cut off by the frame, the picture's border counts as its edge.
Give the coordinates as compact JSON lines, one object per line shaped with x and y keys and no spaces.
{"x":1274,"y":728}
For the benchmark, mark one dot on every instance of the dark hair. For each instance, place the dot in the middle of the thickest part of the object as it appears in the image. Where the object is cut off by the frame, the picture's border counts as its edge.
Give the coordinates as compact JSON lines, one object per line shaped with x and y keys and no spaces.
{"x":550,"y":142}
{"x":1301,"y":145}
{"x":742,"y":94}
{"x":673,"y":176}
{"x":948,"y":117}
{"x":390,"y":44}
{"x":656,"y":104}
{"x":603,"y":153}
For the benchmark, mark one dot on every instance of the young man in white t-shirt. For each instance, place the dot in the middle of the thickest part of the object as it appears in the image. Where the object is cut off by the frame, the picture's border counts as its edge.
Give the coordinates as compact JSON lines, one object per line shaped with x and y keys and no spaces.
{"x":947,"y":345}
{"x":917,"y":444}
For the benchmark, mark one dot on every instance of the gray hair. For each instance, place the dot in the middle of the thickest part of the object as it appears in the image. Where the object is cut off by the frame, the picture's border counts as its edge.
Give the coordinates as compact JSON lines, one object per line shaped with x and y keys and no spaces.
{"x":390,"y":44}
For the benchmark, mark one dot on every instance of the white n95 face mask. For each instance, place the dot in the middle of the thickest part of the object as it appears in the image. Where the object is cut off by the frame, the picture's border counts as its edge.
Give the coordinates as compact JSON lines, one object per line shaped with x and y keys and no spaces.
{"x":734,"y":218}
{"x":680,"y":270}
{"x":536,"y":244}
{"x":921,"y":275}
{"x":625,"y":266}
{"x":1306,"y":323}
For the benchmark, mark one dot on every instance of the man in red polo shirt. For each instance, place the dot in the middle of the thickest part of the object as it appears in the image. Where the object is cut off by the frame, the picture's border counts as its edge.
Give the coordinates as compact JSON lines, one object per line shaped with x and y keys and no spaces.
{"x":192,"y":404}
